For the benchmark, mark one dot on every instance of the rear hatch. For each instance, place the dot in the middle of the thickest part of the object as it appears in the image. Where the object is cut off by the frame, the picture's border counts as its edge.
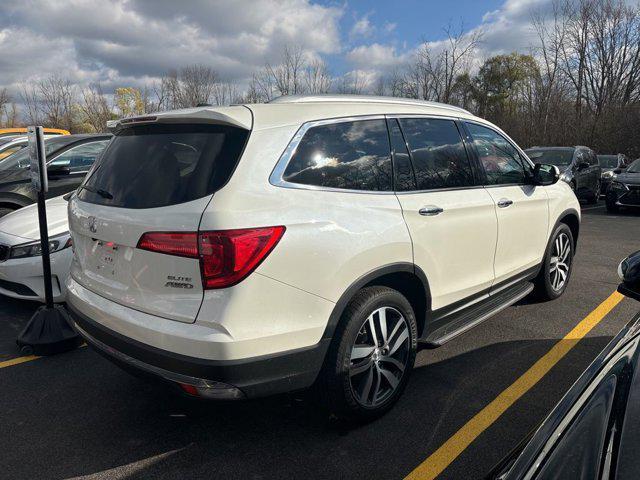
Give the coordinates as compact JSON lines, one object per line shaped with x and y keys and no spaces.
{"x":153,"y":177}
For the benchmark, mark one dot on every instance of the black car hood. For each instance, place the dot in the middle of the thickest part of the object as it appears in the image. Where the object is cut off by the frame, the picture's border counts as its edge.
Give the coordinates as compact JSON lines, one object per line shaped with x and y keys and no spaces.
{"x":629,"y":178}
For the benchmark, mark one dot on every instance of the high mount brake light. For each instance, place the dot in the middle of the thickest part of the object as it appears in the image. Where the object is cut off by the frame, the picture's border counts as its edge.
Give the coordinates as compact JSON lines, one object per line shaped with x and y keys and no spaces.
{"x":226,"y":257}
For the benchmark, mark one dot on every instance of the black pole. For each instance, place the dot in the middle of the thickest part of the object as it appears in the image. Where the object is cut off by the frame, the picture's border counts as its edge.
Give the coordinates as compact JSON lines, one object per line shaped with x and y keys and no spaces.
{"x":44,"y":245}
{"x":49,"y":330}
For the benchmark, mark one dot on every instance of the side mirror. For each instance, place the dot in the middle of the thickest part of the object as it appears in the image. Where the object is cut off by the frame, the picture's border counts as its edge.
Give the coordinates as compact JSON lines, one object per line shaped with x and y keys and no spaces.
{"x":629,"y":273}
{"x":545,"y":174}
{"x":617,"y":171}
{"x":58,"y":170}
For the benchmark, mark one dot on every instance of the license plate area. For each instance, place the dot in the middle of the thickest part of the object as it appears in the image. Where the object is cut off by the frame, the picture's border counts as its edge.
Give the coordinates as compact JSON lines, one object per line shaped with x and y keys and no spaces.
{"x":106,"y":258}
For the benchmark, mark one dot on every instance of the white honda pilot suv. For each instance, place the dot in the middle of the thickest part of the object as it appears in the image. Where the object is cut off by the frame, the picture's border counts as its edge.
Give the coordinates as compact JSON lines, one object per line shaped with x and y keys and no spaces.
{"x":243,"y":251}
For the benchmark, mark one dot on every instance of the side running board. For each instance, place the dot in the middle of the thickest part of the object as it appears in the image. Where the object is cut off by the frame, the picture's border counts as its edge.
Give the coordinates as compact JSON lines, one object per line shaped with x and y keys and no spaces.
{"x":462,"y":321}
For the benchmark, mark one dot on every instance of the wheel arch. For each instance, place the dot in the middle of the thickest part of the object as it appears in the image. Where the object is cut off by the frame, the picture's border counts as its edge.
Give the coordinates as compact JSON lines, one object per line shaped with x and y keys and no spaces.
{"x":407,"y":278}
{"x":570,"y":218}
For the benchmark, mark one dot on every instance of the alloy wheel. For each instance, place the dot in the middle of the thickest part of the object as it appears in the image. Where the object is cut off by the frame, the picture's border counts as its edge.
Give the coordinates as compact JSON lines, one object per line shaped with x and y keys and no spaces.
{"x":560,"y":262}
{"x":379,"y":356}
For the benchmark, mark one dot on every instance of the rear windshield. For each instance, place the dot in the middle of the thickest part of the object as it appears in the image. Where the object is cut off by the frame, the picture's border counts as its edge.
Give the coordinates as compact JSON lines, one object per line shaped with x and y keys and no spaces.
{"x":551,"y":157}
{"x":149,"y":166}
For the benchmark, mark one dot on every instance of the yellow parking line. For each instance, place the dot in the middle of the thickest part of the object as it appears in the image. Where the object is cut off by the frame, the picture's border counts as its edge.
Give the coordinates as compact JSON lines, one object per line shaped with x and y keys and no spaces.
{"x":18,"y":360}
{"x":27,"y":358}
{"x":455,"y":445}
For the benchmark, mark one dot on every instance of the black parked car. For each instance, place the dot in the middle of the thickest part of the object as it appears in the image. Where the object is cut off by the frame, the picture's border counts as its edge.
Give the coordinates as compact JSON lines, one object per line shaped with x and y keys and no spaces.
{"x":69,"y":158}
{"x":579,"y":167}
{"x":592,"y":434}
{"x":609,"y":163}
{"x":624,"y":190}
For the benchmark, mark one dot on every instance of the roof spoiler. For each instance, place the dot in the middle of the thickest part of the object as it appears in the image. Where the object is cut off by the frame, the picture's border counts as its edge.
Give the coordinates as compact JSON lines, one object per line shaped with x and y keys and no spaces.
{"x":189,"y":115}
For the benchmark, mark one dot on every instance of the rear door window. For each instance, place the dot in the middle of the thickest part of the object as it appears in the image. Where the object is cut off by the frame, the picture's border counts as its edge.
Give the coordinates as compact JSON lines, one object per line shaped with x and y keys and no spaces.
{"x":344,"y":155}
{"x":439,"y":157}
{"x":148,"y":166}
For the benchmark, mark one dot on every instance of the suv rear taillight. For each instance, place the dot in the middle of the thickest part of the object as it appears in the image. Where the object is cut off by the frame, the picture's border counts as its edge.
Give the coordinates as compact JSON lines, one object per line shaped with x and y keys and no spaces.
{"x":226,"y":256}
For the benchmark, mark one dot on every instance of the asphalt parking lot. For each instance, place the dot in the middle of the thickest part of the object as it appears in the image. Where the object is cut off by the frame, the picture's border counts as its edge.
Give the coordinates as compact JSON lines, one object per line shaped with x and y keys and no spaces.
{"x":77,"y":415}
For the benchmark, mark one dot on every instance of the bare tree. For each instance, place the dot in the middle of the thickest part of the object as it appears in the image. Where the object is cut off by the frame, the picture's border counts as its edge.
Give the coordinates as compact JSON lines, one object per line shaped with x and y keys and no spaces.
{"x":436,"y":67}
{"x":353,"y":83}
{"x":225,"y":93}
{"x":8,"y":110}
{"x":57,"y":97}
{"x":95,"y":107}
{"x":295,"y":74}
{"x":50,"y":101}
{"x":31,"y":102}
{"x":288,"y":75}
{"x":197,"y":85}
{"x":317,"y":77}
{"x":262,"y":87}
{"x":552,"y":34}
{"x":380,"y":86}
{"x":191,"y":86}
{"x":455,"y":59}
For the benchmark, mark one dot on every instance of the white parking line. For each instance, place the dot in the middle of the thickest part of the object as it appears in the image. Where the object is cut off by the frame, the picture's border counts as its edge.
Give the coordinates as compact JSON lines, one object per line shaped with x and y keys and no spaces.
{"x":592,"y":208}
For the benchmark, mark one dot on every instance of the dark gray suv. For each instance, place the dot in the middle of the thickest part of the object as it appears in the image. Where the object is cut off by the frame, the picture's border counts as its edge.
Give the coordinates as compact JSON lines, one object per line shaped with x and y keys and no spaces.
{"x":579,"y":167}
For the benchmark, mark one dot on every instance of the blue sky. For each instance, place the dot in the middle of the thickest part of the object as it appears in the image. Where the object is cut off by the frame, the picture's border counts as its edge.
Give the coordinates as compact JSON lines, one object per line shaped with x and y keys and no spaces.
{"x":135,"y":42}
{"x":406,"y":23}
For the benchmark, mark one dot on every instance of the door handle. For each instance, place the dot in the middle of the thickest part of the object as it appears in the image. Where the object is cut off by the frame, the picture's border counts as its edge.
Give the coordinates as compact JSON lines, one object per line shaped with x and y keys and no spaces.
{"x":504,"y":203}
{"x":430,"y":211}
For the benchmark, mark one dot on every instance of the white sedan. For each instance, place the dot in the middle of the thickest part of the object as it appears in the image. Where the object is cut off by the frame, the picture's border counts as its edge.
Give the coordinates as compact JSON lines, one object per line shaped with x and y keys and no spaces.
{"x":20,"y":253}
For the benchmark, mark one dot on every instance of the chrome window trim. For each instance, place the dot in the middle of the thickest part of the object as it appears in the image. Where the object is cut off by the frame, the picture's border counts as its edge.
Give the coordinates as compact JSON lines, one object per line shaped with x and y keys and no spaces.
{"x":443,"y":189}
{"x":276,"y":177}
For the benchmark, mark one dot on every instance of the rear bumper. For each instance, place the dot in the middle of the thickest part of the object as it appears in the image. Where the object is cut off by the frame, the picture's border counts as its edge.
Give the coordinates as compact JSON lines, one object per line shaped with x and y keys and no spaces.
{"x":255,"y":377}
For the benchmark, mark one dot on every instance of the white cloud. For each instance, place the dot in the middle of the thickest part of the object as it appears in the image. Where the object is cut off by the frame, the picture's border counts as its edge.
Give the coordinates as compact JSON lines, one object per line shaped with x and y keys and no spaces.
{"x":389,"y":27}
{"x":362,"y":28}
{"x":120,"y":40}
{"x":375,"y":56}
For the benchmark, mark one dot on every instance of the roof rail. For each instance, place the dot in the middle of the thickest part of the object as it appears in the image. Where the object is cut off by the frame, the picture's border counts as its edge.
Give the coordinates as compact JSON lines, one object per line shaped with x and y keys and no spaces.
{"x":331,"y":98}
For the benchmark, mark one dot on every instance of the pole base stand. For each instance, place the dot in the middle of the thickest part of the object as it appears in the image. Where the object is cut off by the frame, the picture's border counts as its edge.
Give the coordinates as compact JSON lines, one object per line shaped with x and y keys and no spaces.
{"x":48,"y":332}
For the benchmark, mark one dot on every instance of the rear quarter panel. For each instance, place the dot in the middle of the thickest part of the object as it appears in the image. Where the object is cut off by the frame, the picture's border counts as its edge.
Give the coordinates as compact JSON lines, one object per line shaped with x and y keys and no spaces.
{"x":331,"y":239}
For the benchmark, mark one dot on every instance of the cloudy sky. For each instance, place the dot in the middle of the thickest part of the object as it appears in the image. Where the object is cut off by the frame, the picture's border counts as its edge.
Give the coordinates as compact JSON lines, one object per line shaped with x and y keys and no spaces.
{"x":132,"y":42}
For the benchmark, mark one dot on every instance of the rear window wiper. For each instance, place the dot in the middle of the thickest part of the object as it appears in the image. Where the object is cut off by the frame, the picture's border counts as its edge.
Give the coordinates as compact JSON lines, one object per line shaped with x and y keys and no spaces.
{"x":98,"y":191}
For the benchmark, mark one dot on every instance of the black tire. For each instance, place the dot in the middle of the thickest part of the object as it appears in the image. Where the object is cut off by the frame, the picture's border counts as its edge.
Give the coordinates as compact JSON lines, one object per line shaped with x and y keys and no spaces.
{"x":544,"y":288}
{"x":335,"y":382}
{"x":4,"y":211}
